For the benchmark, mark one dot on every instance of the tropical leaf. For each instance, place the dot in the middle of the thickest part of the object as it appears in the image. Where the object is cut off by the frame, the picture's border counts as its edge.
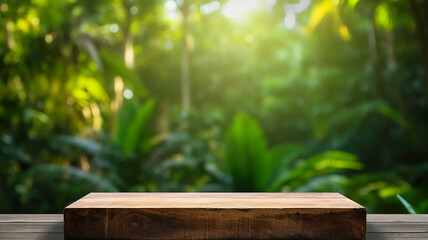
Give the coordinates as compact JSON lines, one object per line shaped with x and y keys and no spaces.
{"x":352,"y":3}
{"x":319,"y":11}
{"x":114,"y":66}
{"x":246,"y":154}
{"x":381,"y":185}
{"x":126,"y":115}
{"x":281,"y":157}
{"x":327,"y":183}
{"x":87,"y":88}
{"x":89,"y":146}
{"x":383,"y":16}
{"x":253,"y":167}
{"x":318,"y":165}
{"x":356,"y":113}
{"x":136,"y":127}
{"x":68,"y":173}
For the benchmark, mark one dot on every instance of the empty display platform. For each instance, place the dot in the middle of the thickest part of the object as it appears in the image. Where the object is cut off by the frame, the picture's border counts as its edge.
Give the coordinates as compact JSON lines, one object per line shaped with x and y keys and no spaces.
{"x":214,"y":216}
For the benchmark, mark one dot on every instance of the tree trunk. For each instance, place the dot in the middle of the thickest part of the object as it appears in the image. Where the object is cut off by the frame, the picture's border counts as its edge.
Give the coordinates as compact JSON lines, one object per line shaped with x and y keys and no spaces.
{"x":375,"y":56}
{"x":185,"y":79}
{"x":128,"y":48}
{"x":421,"y":18}
{"x":390,"y":53}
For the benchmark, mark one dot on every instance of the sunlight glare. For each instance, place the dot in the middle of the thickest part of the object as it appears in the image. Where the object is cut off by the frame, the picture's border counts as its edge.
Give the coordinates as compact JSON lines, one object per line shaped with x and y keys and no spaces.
{"x":128,"y":94}
{"x":269,"y":4}
{"x":114,"y":28}
{"x":133,"y":10}
{"x":4,"y":7}
{"x":290,"y":20}
{"x":292,"y":9}
{"x":210,"y":7}
{"x":301,"y":6}
{"x":237,"y":8}
{"x":171,"y":10}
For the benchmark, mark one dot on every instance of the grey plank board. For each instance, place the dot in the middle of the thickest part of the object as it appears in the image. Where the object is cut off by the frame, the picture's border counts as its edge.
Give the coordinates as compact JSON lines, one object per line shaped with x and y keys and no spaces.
{"x":395,"y":236}
{"x":397,"y":227}
{"x":56,"y":227}
{"x":32,"y":236}
{"x":397,"y":218}
{"x":50,"y":226}
{"x":33,"y":218}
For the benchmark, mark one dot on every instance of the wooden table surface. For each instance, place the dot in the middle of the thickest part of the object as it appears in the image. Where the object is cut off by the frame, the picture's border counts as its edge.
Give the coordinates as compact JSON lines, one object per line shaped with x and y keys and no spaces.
{"x":136,"y":215}
{"x":50,"y":226}
{"x":290,"y":200}
{"x":214,"y":216}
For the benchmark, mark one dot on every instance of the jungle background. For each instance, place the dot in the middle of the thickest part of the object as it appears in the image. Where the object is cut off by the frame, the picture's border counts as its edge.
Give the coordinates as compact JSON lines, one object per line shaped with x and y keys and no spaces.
{"x":201,"y":95}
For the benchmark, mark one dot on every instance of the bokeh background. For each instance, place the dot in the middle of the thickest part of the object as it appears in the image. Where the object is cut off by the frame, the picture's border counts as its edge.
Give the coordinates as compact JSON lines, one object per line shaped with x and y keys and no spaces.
{"x":201,"y":95}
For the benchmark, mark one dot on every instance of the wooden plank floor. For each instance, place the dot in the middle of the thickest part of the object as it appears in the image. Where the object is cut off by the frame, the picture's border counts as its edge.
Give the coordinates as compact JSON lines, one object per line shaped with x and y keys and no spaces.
{"x":50,"y":226}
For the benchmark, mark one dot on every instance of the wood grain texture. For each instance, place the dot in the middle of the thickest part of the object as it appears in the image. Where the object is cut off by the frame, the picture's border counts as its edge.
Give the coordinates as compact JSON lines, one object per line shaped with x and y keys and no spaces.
{"x":379,"y":226}
{"x":215,"y":200}
{"x":214,"y":216}
{"x":31,"y":226}
{"x":31,"y":218}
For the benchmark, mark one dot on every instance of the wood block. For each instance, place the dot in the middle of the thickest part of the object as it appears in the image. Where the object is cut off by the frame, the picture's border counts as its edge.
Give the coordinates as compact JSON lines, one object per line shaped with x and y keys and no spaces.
{"x":214,"y":216}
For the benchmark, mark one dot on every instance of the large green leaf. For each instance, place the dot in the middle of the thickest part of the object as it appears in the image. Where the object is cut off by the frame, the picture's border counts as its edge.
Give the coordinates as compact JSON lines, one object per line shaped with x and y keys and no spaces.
{"x":68,"y":173}
{"x":383,"y":16}
{"x":318,"y":165}
{"x":326,"y":183}
{"x":87,"y":145}
{"x":281,"y":158}
{"x":136,"y":127}
{"x":352,"y":3}
{"x":319,"y":11}
{"x":359,"y":111}
{"x":246,"y":157}
{"x":114,"y":66}
{"x":126,"y":114}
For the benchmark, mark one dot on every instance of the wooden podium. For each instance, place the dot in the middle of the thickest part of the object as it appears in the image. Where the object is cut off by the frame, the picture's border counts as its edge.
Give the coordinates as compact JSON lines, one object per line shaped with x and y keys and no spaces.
{"x":214,"y":216}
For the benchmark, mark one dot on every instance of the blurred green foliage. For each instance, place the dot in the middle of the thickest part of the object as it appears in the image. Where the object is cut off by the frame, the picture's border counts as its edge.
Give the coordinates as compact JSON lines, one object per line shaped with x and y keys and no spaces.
{"x":180,"y":95}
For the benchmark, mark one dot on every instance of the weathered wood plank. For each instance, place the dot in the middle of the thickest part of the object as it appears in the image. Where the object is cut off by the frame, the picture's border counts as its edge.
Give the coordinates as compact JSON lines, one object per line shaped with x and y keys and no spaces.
{"x":53,"y":227}
{"x":387,"y":235}
{"x":44,"y":218}
{"x":398,"y":227}
{"x":397,"y":218}
{"x":215,"y":216}
{"x":31,"y":236}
